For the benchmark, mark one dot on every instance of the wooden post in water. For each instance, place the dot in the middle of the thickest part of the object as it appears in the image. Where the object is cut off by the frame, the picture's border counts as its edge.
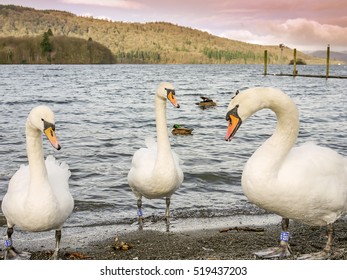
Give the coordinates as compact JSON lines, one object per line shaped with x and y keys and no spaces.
{"x":265,"y":62}
{"x":328,"y":61}
{"x":294,"y":63}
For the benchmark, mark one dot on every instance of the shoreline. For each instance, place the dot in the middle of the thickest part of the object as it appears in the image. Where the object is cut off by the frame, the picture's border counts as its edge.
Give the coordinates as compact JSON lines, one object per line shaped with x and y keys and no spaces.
{"x":218,"y":243}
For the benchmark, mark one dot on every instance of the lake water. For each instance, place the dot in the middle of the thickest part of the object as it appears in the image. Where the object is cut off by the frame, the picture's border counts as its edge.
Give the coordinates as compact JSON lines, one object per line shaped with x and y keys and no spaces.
{"x":104,"y":112}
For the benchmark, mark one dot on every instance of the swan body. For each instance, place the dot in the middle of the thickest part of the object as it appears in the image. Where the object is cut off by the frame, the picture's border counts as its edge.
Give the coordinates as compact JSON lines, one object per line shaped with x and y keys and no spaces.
{"x":307,"y":183}
{"x":155,"y":170}
{"x":38,"y":197}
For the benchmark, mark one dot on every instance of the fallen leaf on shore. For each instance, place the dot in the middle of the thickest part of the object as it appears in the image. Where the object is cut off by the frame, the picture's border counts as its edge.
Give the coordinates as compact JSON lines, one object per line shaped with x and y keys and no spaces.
{"x":207,"y":249}
{"x":120,"y":245}
{"x":257,"y":229}
{"x":76,"y":256}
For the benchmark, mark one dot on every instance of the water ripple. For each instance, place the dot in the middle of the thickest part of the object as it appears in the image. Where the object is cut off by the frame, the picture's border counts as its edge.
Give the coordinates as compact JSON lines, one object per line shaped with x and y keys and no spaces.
{"x":104,"y":113}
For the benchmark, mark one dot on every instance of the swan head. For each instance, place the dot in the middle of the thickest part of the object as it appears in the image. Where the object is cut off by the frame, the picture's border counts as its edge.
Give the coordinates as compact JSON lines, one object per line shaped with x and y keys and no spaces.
{"x":42,"y":118}
{"x":235,"y":115}
{"x":166,"y":91}
{"x":241,"y":107}
{"x":246,"y":103}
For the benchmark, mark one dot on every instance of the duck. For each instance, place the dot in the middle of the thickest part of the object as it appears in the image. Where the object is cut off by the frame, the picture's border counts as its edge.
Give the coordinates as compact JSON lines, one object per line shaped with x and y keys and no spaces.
{"x":206,"y":102}
{"x":155,"y":169}
{"x":306,"y":183}
{"x":181,"y":130}
{"x":38,"y":197}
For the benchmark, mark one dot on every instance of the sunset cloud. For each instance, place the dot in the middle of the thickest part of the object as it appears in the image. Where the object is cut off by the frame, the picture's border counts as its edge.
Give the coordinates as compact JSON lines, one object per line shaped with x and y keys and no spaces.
{"x":304,"y":31}
{"x":295,"y":33}
{"x":124,"y":4}
{"x":305,"y":25}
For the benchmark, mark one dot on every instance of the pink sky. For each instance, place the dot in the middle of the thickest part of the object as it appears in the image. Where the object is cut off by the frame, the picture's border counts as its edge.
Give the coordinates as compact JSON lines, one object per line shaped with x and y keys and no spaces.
{"x":301,"y":24}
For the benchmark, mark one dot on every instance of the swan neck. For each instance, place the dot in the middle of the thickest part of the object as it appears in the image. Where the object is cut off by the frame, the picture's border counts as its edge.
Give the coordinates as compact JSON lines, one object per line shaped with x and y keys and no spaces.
{"x":162,"y":131}
{"x":287,"y":127}
{"x":270,"y":156}
{"x":37,"y":167}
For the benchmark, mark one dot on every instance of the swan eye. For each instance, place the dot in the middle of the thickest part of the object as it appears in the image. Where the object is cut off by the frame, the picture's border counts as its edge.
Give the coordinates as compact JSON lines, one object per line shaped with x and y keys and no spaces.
{"x":48,"y":125}
{"x":232,"y":112}
{"x":168,"y":91}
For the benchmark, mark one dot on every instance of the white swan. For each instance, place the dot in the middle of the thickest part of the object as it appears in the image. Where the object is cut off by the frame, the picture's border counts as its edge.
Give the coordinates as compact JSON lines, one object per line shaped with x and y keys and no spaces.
{"x":155,"y":171}
{"x":306,"y":183}
{"x":38,"y":197}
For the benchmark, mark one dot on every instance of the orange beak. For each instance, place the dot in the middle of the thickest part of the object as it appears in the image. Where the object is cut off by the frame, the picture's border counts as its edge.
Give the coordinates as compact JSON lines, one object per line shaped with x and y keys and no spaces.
{"x":172,"y":98}
{"x":52,"y":137}
{"x":234,"y":124}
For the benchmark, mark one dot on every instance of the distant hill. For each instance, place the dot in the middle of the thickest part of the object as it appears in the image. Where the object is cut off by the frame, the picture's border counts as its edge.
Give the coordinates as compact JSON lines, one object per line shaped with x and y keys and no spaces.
{"x":342,"y":56}
{"x":155,"y":42}
{"x":57,"y":50}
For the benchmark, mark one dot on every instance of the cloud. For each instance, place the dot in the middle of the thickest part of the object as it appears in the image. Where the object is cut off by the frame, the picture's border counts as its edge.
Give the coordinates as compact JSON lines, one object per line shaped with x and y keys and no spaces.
{"x":123,"y":4}
{"x":248,"y":36}
{"x":89,"y":15}
{"x":307,"y":32}
{"x":295,"y":33}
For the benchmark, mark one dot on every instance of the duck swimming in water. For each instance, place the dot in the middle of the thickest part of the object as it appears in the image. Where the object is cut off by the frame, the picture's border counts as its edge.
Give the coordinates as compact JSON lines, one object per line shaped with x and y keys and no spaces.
{"x":206,"y":102}
{"x":181,"y":130}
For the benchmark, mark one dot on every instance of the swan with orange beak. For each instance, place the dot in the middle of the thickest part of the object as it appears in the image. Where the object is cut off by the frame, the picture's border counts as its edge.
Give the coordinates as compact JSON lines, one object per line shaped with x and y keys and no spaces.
{"x":156,"y":171}
{"x":49,"y":131}
{"x":306,"y":183}
{"x":38,"y":197}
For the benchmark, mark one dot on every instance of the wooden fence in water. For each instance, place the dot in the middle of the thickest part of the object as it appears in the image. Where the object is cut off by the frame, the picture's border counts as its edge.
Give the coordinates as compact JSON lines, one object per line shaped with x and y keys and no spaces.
{"x":295,"y":71}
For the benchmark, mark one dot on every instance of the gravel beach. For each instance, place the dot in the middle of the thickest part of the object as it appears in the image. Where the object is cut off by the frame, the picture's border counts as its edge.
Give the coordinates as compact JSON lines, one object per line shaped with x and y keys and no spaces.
{"x":225,"y":243}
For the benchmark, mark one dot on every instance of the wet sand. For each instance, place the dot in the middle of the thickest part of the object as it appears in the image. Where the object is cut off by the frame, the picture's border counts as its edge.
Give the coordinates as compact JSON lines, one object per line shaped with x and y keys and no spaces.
{"x":226,"y":243}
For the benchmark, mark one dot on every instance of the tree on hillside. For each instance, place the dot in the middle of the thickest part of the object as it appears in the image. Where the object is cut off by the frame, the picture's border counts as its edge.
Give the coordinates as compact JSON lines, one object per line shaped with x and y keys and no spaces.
{"x":46,"y":45}
{"x":49,"y":32}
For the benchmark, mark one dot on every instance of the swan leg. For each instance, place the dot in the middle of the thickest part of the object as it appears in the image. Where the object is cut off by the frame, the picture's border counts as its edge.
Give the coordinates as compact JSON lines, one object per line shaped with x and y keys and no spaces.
{"x":55,"y":255}
{"x":283,"y":250}
{"x":10,"y":252}
{"x":167,"y":214}
{"x":139,"y":213}
{"x":326,"y":252}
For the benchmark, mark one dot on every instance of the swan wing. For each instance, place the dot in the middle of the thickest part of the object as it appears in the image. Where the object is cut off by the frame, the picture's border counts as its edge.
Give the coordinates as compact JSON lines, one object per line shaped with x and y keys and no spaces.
{"x":319,"y":165}
{"x":58,"y":173}
{"x":178,"y":163}
{"x":315,"y":175}
{"x":58,"y":177}
{"x":142,"y":164}
{"x":13,"y":201}
{"x":144,"y":158}
{"x":20,"y":180}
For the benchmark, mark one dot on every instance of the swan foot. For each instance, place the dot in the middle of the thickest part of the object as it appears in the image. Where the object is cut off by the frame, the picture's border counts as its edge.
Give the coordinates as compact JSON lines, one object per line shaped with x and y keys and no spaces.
{"x":167,"y":214}
{"x":283,"y":250}
{"x":140,"y":223}
{"x":280,"y":252}
{"x":12,"y":254}
{"x":55,"y":255}
{"x":322,"y":255}
{"x":326,"y":252}
{"x":139,"y":213}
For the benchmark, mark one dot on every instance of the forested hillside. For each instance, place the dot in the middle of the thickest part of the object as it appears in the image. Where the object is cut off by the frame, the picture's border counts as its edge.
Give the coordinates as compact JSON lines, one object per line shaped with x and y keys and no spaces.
{"x":155,"y":42}
{"x":52,"y":49}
